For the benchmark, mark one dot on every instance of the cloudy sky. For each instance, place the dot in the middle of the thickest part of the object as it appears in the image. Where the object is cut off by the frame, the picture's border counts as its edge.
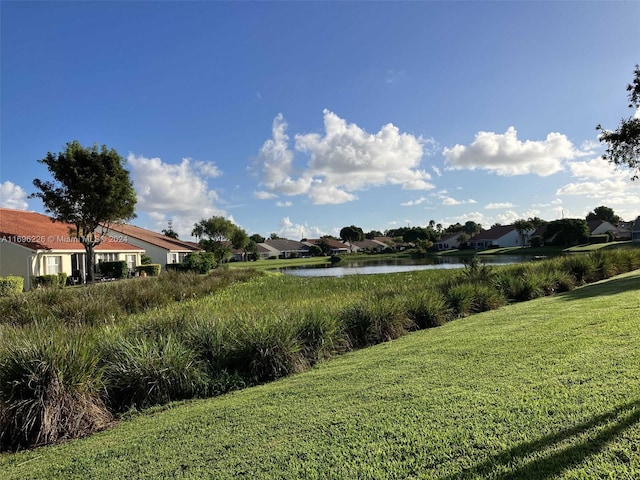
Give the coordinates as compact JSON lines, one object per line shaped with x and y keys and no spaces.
{"x":302,"y":118}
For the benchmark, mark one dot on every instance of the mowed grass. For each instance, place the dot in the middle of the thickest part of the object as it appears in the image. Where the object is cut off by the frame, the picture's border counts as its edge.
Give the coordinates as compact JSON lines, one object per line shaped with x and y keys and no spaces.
{"x":548,"y":388}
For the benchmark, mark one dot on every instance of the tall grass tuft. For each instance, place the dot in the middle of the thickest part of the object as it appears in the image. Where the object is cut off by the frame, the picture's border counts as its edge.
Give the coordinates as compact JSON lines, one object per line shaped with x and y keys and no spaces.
{"x":320,"y":335}
{"x":428,"y":309}
{"x":142,"y":372}
{"x":374,"y":320}
{"x":50,"y":389}
{"x":460,"y":297}
{"x":264,"y":348}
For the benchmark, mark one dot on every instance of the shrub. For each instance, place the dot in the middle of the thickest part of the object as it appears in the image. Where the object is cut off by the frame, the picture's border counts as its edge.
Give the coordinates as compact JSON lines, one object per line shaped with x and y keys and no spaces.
{"x":10,"y":285}
{"x":152,"y":270}
{"x":536,"y":241}
{"x":49,"y":390}
{"x":200,"y":262}
{"x":604,"y":238}
{"x":46,"y":281}
{"x":62,"y":279}
{"x":118,"y":269}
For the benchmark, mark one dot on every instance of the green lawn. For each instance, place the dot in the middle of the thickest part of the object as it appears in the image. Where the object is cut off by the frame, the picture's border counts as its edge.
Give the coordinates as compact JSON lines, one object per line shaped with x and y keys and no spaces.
{"x":543,"y":389}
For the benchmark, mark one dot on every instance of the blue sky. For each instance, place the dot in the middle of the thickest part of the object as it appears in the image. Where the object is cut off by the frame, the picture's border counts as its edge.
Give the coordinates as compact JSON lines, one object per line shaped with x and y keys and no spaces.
{"x":303,"y":117}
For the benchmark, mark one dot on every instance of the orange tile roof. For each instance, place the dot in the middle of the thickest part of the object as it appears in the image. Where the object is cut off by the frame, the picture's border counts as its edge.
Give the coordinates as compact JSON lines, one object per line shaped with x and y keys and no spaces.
{"x":38,"y":232}
{"x":155,"y":238}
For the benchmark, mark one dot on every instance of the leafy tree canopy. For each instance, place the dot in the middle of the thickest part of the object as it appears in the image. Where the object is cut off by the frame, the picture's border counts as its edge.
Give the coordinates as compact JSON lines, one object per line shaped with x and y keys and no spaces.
{"x":623,"y":144}
{"x":257,"y":238}
{"x":605,"y":214}
{"x":216,"y":233}
{"x":351,"y":234}
{"x":91,"y":189}
{"x":567,"y":232}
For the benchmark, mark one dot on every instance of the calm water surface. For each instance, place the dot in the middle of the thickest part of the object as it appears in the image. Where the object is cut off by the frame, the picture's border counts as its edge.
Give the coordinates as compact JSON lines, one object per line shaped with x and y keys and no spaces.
{"x":396,"y":265}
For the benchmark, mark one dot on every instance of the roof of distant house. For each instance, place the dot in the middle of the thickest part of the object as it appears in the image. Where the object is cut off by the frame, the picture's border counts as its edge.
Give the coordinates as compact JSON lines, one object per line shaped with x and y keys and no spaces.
{"x":155,"y":238}
{"x":494,"y":233}
{"x":40,"y":232}
{"x":284,"y":245}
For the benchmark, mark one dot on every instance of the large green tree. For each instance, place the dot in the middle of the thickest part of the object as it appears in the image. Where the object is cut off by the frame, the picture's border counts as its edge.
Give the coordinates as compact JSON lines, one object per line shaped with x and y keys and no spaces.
{"x":567,"y":232}
{"x":605,"y":214}
{"x":623,"y":144}
{"x":351,"y":234}
{"x":91,"y":189}
{"x":217,"y":233}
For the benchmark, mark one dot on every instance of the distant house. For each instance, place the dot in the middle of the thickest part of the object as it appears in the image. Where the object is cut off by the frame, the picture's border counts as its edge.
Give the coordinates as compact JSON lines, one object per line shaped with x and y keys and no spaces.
{"x":448,"y":242}
{"x":369,"y":245}
{"x":599,"y":227}
{"x":161,"y":249}
{"x":635,"y":231}
{"x":32,"y":244}
{"x":336,"y":246}
{"x":283,"y":248}
{"x":499,"y":236}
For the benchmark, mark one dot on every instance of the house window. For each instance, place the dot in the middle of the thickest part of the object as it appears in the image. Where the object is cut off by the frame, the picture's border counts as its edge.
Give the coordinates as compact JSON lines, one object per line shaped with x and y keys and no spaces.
{"x":174,"y":258}
{"x":131,"y":262}
{"x":54,"y":265}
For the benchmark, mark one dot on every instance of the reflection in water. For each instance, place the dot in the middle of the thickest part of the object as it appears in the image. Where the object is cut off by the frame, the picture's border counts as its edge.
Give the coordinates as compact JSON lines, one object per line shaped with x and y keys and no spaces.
{"x":395,"y":265}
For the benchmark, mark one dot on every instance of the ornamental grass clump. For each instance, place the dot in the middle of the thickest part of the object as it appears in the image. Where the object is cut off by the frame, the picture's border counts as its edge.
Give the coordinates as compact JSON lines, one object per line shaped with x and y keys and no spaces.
{"x":374,"y":320}
{"x":50,"y":389}
{"x":428,"y":309}
{"x":263,"y":348}
{"x":319,"y":335}
{"x":142,"y":372}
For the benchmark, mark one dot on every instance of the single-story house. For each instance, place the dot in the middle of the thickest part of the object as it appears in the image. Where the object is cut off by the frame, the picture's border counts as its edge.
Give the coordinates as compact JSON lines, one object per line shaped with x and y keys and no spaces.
{"x":369,"y":245}
{"x":283,"y":248}
{"x":498,"y":236}
{"x":336,"y":246}
{"x":635,"y":231}
{"x":448,"y":242}
{"x":161,"y":249}
{"x":32,"y":244}
{"x":599,"y":227}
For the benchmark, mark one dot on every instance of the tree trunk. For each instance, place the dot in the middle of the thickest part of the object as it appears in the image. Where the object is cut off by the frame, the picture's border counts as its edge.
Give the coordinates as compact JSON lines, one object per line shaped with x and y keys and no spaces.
{"x":89,"y":261}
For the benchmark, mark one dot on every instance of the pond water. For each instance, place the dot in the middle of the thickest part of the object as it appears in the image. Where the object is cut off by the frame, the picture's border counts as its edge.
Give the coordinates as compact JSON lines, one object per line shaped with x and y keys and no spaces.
{"x":395,"y":265}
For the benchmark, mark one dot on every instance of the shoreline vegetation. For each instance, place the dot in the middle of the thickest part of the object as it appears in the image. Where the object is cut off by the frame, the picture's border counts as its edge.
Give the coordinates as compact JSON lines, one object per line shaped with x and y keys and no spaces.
{"x":73,"y":361}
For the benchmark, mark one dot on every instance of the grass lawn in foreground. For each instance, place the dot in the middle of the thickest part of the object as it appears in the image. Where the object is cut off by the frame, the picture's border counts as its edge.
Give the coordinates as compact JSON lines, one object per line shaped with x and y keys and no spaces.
{"x":543,"y":389}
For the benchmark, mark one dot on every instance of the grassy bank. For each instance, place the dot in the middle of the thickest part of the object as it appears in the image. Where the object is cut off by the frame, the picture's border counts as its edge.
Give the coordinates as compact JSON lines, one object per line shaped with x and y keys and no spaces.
{"x":61,"y":379}
{"x":543,"y":389}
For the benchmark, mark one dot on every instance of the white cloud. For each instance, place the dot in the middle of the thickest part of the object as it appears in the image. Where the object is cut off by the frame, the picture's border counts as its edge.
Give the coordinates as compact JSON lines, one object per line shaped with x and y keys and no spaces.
{"x":283,"y":204}
{"x":595,"y":168}
{"x":296,"y":231}
{"x":412,"y":203}
{"x":505,"y":155}
{"x":490,"y":206}
{"x":602,"y":184}
{"x":343,"y":160}
{"x":262,"y":195}
{"x":175,"y":192}
{"x":12,"y":196}
{"x":437,"y":171}
{"x":207,"y":169}
{"x":449,"y":201}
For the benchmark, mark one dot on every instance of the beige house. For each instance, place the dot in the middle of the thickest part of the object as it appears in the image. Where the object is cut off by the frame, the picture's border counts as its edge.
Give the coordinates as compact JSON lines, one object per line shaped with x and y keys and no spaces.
{"x":157,"y":246}
{"x":32,"y":244}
